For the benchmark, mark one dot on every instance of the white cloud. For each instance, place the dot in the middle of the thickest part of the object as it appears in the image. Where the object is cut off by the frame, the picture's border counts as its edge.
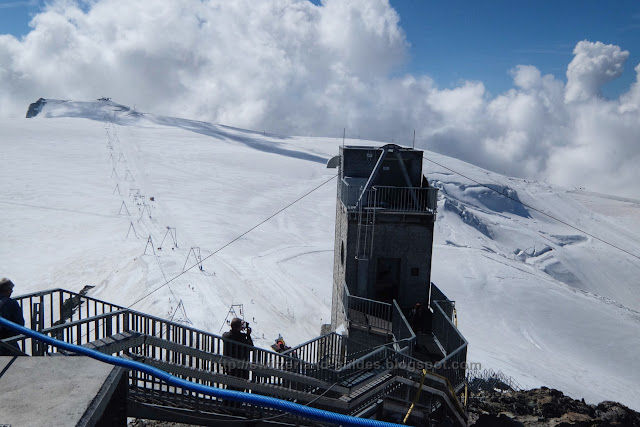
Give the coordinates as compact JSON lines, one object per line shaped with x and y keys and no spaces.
{"x":593,"y":65}
{"x":291,"y":67}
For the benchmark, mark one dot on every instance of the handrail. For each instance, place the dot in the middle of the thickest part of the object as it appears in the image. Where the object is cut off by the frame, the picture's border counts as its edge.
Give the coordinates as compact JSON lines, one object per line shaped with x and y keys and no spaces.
{"x":402,"y":331}
{"x":324,"y":359}
{"x":83,"y":321}
{"x":455,"y":345}
{"x":232,"y":395}
{"x":367,"y":311}
{"x":448,"y":329}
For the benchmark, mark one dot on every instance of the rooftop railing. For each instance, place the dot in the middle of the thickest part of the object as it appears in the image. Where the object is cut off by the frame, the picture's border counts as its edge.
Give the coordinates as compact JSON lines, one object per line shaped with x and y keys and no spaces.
{"x":389,"y":199}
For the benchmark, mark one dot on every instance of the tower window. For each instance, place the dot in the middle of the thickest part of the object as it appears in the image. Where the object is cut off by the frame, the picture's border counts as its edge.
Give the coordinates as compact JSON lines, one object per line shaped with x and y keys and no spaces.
{"x":342,"y":252}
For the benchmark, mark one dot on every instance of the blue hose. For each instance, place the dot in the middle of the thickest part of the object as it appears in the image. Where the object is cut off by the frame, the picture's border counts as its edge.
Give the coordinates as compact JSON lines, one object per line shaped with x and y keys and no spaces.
{"x":237,"y":396}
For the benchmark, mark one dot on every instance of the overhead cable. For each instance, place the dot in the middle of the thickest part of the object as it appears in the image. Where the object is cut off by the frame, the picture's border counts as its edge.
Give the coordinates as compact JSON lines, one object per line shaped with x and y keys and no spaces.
{"x":236,"y":239}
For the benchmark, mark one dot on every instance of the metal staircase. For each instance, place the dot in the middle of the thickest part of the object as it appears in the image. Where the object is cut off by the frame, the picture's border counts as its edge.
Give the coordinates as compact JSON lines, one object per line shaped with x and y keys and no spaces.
{"x":329,"y":372}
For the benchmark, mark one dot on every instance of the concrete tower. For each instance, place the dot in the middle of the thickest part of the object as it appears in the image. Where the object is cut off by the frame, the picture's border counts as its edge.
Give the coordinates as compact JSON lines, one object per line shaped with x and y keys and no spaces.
{"x":385,"y":214}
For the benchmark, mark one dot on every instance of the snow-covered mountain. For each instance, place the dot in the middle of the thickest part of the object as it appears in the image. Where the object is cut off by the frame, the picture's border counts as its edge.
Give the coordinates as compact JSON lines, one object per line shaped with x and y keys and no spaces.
{"x":83,"y":193}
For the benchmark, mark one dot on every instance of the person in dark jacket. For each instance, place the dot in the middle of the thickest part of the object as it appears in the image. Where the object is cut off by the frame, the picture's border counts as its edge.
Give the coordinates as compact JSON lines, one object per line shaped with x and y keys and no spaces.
{"x":10,"y":310}
{"x":416,"y":318}
{"x":240,"y":333}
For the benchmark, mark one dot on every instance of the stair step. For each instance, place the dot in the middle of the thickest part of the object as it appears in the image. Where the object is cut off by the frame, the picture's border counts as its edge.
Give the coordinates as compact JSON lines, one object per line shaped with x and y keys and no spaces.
{"x":360,"y":377}
{"x":117,"y":342}
{"x":366,"y":387}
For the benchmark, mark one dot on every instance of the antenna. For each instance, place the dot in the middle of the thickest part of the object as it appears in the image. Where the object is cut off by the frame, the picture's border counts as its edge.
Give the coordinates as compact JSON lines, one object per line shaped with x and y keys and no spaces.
{"x":344,"y":132}
{"x":414,"y":139}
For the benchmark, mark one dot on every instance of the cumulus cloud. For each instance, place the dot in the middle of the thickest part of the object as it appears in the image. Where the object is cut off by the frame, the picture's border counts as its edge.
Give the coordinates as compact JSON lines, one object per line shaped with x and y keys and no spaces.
{"x":291,"y":67}
{"x":594,"y":64}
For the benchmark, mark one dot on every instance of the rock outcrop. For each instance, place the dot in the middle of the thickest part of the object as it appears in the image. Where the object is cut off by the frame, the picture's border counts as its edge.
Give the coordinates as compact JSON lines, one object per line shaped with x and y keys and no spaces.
{"x":545,"y":407}
{"x":35,"y":108}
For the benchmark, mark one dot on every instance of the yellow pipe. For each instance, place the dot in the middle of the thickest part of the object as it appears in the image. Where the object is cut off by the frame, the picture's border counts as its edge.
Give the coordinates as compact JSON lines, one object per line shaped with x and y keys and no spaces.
{"x":415,"y":400}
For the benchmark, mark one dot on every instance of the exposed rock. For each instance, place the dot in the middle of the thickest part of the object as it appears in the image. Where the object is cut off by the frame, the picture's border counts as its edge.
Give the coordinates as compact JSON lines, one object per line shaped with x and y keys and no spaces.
{"x":35,"y":108}
{"x":545,"y":407}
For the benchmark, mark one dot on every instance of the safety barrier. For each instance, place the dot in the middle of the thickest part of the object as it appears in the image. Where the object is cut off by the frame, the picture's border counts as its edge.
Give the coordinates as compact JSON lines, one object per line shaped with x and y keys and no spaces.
{"x":231,"y":395}
{"x":453,"y":366}
{"x":368,"y":312}
{"x":403,"y":335}
{"x":406,"y":199}
{"x":324,"y":370}
{"x":389,"y":199}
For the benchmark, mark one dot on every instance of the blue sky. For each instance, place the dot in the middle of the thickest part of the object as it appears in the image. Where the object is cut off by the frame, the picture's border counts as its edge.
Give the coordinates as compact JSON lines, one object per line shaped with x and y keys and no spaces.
{"x":458,"y":40}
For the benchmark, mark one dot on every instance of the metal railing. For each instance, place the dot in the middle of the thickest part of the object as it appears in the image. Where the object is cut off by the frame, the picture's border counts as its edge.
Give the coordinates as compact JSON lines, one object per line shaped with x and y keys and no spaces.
{"x":389,"y":317}
{"x":367,"y":312}
{"x":403,"y":335}
{"x":382,"y":316}
{"x":480,"y":379}
{"x":51,"y":307}
{"x":313,"y":371}
{"x":390,"y":199}
{"x":406,"y":199}
{"x":45,"y":310}
{"x":329,"y":351}
{"x":453,"y":366}
{"x":445,"y":303}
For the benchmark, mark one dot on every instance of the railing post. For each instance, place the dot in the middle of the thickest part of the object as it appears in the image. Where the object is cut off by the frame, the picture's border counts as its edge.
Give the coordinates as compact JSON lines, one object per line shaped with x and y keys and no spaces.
{"x":37,"y":324}
{"x":108,"y":325}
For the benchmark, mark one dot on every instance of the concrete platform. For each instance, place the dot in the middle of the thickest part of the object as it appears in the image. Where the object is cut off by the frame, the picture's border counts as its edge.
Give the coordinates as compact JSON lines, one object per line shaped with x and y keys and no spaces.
{"x":61,"y":391}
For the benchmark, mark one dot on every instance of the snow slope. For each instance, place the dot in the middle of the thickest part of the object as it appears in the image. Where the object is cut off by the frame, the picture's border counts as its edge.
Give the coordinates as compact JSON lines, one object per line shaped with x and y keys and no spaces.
{"x":537,"y":299}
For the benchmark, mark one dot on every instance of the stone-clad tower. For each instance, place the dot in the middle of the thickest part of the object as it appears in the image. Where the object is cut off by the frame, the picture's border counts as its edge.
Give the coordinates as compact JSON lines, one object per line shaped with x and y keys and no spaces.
{"x":385,"y":214}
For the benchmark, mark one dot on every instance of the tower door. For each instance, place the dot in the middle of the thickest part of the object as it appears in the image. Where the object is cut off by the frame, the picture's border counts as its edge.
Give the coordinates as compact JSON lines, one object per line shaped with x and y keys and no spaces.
{"x":387,"y":279}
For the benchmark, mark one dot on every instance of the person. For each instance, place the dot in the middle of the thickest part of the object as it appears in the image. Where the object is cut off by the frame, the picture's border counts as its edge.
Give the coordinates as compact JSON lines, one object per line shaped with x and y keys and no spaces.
{"x":416,"y":318}
{"x":240,"y":333}
{"x":10,"y":310}
{"x":287,"y":364}
{"x":280,"y":346}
